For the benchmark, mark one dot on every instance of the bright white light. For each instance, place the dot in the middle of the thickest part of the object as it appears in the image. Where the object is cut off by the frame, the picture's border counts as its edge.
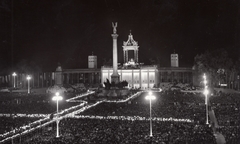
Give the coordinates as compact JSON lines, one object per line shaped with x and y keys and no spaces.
{"x":206,"y":91}
{"x":14,"y":74}
{"x":205,"y":82}
{"x":28,"y":77}
{"x":57,"y":97}
{"x":150,"y":96}
{"x":204,"y":76}
{"x":150,"y":93}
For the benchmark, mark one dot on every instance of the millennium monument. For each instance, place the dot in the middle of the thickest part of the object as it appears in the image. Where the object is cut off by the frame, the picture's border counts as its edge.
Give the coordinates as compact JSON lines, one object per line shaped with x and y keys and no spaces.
{"x":115,"y":75}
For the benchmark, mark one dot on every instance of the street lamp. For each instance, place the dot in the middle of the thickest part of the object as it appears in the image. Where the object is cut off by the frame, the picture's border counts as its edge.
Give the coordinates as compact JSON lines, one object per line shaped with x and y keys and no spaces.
{"x":206,"y":93}
{"x":28,"y":79}
{"x":14,"y":74}
{"x":57,"y":97}
{"x":150,"y":97}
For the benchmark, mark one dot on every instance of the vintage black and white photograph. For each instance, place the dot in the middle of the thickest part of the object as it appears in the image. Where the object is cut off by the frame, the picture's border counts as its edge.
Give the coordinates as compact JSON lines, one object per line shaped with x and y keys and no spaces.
{"x":119,"y":71}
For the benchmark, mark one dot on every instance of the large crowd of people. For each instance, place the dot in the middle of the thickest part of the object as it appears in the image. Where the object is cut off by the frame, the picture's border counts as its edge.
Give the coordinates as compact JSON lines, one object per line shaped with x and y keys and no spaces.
{"x":13,"y":103}
{"x":74,"y":131}
{"x":165,"y":105}
{"x":19,"y":109}
{"x":8,"y":123}
{"x":226,"y":107}
{"x":168,"y":104}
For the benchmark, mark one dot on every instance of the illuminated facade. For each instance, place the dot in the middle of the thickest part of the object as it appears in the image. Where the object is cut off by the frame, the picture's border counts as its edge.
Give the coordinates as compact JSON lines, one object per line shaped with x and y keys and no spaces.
{"x":137,"y":76}
{"x":142,"y":77}
{"x":130,"y":44}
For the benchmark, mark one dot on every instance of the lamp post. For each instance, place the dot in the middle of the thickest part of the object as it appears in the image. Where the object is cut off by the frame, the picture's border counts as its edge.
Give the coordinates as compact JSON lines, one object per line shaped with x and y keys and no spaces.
{"x":28,"y":78}
{"x":150,"y":97}
{"x":206,"y":98}
{"x":14,"y":75}
{"x":57,"y":97}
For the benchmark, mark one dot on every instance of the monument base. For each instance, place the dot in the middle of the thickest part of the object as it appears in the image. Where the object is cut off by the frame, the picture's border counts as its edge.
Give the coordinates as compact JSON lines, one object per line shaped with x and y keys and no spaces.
{"x":114,"y":92}
{"x":115,"y":78}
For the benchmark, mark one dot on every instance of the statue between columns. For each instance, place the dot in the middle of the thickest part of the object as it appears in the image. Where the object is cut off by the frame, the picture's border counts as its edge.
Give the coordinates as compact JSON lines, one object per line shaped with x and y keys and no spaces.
{"x":114,"y":27}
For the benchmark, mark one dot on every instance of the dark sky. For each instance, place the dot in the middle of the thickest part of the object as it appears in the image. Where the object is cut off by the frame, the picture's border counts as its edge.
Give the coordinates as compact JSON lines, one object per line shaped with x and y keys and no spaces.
{"x":46,"y":32}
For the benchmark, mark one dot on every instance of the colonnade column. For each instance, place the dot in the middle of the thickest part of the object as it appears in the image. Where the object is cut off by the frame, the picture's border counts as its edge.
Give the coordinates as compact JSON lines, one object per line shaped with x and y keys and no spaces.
{"x":132,"y":79}
{"x":136,"y":56}
{"x":123,"y":56}
{"x":140,"y":78}
{"x":148,"y":77}
{"x":126,"y":56}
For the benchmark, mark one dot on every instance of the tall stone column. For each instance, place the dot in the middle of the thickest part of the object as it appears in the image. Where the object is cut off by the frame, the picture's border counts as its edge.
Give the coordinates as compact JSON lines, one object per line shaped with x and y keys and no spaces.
{"x":127,"y":56}
{"x":124,"y":56}
{"x":115,"y":75}
{"x":136,"y":56}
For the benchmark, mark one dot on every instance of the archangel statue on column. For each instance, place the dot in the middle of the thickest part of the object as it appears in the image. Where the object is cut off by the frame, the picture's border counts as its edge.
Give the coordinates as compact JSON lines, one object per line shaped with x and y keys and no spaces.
{"x":114,"y":28}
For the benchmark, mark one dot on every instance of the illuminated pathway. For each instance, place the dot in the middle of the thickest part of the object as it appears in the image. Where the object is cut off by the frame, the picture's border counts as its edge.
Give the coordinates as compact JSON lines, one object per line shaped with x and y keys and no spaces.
{"x":70,"y":112}
{"x":220,"y":139}
{"x":45,"y":119}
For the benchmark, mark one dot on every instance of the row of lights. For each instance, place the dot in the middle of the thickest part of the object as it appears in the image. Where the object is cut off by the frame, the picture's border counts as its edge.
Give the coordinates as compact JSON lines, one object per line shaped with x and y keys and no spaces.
{"x":28,"y":79}
{"x":56,"y":98}
{"x":149,"y":97}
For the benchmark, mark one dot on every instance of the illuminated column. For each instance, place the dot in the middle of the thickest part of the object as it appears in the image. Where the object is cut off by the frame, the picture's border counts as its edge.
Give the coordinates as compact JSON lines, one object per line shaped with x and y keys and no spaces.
{"x":124,"y":56}
{"x":132,"y":79}
{"x":148,"y":78}
{"x":28,"y":79}
{"x":206,"y":98}
{"x":136,"y":56}
{"x":150,"y":97}
{"x":115,"y":75}
{"x":140,"y":77}
{"x":127,"y":56}
{"x":14,"y":75}
{"x":57,"y":97}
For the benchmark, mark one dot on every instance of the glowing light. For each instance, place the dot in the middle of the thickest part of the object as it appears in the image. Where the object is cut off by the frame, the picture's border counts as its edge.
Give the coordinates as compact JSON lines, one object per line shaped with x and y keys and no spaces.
{"x":206,"y":92}
{"x":28,"y":77}
{"x":14,"y":74}
{"x":57,"y":97}
{"x":205,"y":82}
{"x":150,"y":97}
{"x":204,"y":76}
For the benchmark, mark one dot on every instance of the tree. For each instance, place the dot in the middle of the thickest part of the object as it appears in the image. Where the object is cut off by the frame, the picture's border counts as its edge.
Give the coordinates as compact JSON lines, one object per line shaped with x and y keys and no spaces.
{"x":216,"y":64}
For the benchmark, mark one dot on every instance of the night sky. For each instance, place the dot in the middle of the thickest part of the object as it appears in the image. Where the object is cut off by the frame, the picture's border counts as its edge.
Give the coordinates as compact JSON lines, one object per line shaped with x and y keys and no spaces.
{"x":48,"y":32}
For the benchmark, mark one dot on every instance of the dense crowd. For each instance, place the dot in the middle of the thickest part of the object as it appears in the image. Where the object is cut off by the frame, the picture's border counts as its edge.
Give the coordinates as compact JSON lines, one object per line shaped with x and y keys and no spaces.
{"x":166,"y":105}
{"x":9,"y":123}
{"x":30,"y":104}
{"x":14,"y":105}
{"x":74,"y":131}
{"x":226,"y":107}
